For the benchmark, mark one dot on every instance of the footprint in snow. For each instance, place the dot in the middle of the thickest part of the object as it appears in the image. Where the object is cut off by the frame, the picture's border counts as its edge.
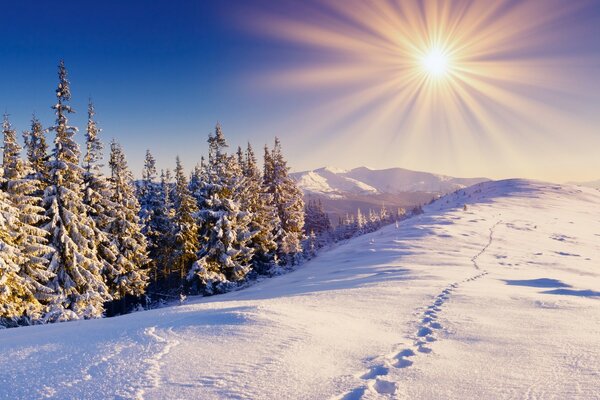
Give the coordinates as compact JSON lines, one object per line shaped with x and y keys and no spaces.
{"x":403,"y":363}
{"x":424,"y":331}
{"x":383,"y":387}
{"x":435,"y":325}
{"x":374,"y":372}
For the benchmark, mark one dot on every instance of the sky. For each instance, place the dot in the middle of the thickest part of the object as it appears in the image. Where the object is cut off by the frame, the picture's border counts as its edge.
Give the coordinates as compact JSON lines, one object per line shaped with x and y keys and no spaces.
{"x":498,"y":88}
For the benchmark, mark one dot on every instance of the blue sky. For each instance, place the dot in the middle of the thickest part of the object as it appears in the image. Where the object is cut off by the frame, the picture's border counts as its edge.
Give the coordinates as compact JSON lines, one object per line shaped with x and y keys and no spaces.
{"x":162,"y":73}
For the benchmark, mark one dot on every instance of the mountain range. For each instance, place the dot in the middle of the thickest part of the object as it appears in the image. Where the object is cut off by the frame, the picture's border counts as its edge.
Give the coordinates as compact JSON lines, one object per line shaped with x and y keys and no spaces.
{"x":343,"y":192}
{"x":337,"y":184}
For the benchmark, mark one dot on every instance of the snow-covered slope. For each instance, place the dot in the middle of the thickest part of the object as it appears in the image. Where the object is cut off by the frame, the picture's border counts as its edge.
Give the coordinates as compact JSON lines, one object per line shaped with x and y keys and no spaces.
{"x":593,"y":184}
{"x":331,"y":183}
{"x":498,"y":301}
{"x":339,"y":183}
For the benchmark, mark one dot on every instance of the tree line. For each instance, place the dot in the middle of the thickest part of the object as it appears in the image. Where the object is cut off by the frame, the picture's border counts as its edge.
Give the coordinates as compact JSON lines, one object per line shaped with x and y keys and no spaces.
{"x":76,"y":243}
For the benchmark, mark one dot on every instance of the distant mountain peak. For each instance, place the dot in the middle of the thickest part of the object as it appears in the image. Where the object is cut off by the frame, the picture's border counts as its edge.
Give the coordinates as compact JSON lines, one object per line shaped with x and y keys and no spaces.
{"x":339,"y":183}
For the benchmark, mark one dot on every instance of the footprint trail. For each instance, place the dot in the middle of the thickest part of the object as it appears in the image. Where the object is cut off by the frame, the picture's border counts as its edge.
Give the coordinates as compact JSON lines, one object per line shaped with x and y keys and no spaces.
{"x":426,"y":333}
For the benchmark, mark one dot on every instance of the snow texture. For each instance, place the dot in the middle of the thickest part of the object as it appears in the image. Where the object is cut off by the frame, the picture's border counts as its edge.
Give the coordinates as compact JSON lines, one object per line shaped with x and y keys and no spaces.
{"x":499,"y":299}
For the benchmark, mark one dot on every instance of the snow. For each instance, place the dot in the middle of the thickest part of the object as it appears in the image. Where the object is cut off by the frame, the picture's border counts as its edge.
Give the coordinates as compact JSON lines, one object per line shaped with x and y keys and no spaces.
{"x":501,"y":300}
{"x":331,"y":183}
{"x":335,"y":183}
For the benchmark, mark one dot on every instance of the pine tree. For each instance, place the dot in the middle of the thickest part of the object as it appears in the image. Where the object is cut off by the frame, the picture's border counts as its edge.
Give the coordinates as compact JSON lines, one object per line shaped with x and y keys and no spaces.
{"x":316,"y":219}
{"x":264,"y":220}
{"x":287,"y":198}
{"x":383,"y":214}
{"x":97,"y":196}
{"x":225,"y":255}
{"x":150,"y":203}
{"x":16,"y":297}
{"x":361,"y":221}
{"x":125,"y":231}
{"x":78,"y":281}
{"x":163,"y":216}
{"x":37,"y":150}
{"x":185,"y":226}
{"x":197,"y":181}
{"x":22,"y":227}
{"x":373,"y":220}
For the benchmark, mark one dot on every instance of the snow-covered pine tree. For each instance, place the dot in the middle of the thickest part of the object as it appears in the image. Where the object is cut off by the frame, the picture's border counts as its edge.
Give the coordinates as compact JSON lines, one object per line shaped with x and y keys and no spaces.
{"x":316,"y":220}
{"x":16,"y":297}
{"x":361,"y":222}
{"x":37,"y":150}
{"x":185,"y":232}
{"x":264,"y":220}
{"x":125,"y":231}
{"x":78,"y":284}
{"x":149,"y":195}
{"x":287,"y":198}
{"x":373,"y":220}
{"x":23,"y":226}
{"x":97,"y":197}
{"x":224,"y":254}
{"x":196,"y":181}
{"x":163,"y":215}
{"x":384,"y":215}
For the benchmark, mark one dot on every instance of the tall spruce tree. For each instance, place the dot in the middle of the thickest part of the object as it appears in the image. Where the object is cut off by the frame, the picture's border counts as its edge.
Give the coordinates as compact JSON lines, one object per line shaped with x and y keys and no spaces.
{"x":288,"y":201}
{"x":264,"y":220}
{"x":165,"y":240}
{"x":97,"y":196}
{"x":197,"y":181}
{"x":224,"y":254}
{"x":148,"y":192}
{"x":22,"y":229}
{"x":16,"y":297}
{"x":184,"y":224}
{"x":23,"y":190}
{"x":78,"y":283}
{"x":37,"y":150}
{"x":131,"y":275}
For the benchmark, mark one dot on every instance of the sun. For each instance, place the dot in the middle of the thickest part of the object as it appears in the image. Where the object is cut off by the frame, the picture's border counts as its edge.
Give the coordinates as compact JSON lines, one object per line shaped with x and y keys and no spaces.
{"x":435,"y":62}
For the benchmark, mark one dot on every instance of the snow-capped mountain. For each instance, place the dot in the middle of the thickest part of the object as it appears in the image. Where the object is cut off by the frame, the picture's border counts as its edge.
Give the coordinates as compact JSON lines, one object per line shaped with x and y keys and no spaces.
{"x":336,"y":183}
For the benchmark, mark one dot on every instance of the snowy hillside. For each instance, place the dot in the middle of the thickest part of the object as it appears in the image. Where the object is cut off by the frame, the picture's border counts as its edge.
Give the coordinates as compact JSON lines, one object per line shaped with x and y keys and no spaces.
{"x":340,"y":183}
{"x":499,"y":300}
{"x":593,"y":184}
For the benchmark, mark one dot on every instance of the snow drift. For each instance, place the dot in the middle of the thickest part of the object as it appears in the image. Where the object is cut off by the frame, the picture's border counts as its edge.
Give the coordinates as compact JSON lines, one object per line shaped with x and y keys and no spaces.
{"x":493,"y":293}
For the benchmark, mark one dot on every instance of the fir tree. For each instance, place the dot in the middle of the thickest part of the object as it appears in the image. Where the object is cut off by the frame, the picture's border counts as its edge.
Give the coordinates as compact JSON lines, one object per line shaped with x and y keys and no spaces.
{"x":224,"y":255}
{"x":97,"y":196}
{"x":16,"y":297}
{"x":361,"y":221}
{"x":197,"y":181}
{"x":264,"y":220}
{"x":125,"y":231}
{"x":184,"y":224}
{"x":163,"y":215}
{"x":150,"y":203}
{"x":316,"y":219}
{"x":287,"y":198}
{"x":22,"y":227}
{"x":78,"y":284}
{"x":37,"y":154}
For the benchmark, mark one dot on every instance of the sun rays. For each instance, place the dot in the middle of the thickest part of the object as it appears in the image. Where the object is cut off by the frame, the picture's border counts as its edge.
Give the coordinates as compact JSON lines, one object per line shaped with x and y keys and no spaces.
{"x":462,"y":75}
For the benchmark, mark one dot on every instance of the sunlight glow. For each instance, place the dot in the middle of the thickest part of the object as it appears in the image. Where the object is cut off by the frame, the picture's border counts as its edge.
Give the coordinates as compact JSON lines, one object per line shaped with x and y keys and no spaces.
{"x":449,"y":82}
{"x":436,"y":62}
